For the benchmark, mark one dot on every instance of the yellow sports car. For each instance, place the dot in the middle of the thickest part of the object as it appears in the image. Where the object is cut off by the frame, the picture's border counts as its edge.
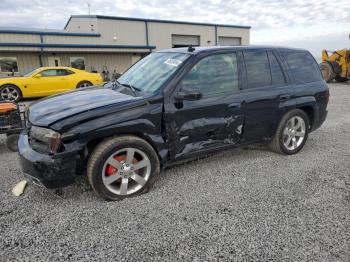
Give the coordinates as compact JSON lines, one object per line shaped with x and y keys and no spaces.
{"x":46,"y":81}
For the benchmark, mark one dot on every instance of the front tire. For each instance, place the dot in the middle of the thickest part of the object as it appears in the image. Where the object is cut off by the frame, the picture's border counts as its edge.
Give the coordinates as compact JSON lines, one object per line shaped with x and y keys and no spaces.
{"x":10,"y":93}
{"x":292,"y":133}
{"x":122,"y":167}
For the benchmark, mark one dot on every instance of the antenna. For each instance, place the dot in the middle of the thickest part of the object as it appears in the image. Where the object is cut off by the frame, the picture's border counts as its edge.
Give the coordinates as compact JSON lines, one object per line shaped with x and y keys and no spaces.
{"x":89,"y":8}
{"x":190,"y":48}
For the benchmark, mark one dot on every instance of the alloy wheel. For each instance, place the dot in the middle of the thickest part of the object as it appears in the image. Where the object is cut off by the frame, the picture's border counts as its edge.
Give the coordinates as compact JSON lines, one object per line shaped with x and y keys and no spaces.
{"x":84,"y":84}
{"x":294,"y":133}
{"x":126,"y":171}
{"x":9,"y":93}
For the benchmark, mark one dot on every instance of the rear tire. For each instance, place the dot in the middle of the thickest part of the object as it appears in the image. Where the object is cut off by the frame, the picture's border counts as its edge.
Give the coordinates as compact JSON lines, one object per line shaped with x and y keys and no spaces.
{"x":83,"y":84}
{"x":340,"y":79}
{"x":292,"y":133}
{"x":10,"y":93}
{"x":12,"y":142}
{"x":121,"y":167}
{"x":327,"y":72}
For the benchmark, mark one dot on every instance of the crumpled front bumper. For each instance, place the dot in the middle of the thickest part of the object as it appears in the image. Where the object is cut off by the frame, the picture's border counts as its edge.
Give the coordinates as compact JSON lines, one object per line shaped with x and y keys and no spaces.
{"x":50,"y":171}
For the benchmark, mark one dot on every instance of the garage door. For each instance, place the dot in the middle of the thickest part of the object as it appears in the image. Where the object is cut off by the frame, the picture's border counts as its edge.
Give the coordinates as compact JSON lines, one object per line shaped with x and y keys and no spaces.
{"x":224,"y":40}
{"x":185,"y":40}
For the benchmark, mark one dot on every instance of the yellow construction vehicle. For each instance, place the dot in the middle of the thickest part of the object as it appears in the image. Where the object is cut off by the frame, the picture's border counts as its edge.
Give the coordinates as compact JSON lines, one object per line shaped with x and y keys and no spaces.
{"x":336,"y":65}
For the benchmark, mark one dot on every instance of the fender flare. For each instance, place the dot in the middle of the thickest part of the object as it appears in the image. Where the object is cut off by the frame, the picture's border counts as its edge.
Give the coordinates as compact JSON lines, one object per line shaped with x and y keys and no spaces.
{"x":309,"y":101}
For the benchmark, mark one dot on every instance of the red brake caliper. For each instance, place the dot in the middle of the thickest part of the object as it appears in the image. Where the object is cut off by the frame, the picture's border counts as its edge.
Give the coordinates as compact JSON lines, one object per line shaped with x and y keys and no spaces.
{"x":110,"y":170}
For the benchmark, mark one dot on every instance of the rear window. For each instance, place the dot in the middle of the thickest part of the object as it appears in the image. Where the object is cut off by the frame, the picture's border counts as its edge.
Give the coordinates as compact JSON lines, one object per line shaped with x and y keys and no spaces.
{"x":303,"y":66}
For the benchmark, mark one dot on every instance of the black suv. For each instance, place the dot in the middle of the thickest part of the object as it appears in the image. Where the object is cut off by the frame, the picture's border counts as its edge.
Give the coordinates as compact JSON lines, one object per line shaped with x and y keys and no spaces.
{"x":172,"y":106}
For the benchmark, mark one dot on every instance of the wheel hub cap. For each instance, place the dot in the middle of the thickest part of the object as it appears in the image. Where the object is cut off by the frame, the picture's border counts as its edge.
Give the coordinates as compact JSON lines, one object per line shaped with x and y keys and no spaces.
{"x":126,"y":171}
{"x":294,"y":133}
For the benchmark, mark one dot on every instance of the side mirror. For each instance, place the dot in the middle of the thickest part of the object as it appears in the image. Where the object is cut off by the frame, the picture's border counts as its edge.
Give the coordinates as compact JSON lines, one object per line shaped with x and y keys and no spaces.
{"x":191,"y":95}
{"x":37,"y":76}
{"x":188,"y":93}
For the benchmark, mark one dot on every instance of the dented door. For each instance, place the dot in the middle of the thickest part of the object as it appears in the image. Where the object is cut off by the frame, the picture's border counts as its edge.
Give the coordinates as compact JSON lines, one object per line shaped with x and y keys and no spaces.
{"x":213,"y":121}
{"x":204,"y":124}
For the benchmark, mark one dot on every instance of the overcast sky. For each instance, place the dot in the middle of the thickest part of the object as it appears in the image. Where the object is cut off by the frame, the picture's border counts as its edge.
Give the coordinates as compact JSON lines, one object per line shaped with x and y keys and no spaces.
{"x":309,"y":24}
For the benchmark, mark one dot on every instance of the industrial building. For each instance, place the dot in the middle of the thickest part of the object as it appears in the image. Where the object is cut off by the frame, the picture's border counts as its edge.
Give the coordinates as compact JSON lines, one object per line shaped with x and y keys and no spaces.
{"x":106,"y":43}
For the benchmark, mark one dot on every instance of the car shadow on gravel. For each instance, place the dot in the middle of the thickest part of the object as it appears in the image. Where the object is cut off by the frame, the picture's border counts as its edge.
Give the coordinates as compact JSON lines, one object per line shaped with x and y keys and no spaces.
{"x":169,"y":177}
{"x":82,"y":189}
{"x":3,"y":148}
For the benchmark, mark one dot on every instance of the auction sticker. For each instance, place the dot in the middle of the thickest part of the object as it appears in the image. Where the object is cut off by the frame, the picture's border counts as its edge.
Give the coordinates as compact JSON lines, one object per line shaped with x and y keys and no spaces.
{"x":172,"y":62}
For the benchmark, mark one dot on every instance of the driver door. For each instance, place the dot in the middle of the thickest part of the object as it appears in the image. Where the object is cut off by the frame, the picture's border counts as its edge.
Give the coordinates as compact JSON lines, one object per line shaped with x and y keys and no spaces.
{"x":48,"y":82}
{"x":212,"y":117}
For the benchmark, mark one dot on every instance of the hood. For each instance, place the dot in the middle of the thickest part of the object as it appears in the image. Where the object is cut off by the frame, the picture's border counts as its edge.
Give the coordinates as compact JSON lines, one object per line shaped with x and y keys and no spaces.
{"x":47,"y":111}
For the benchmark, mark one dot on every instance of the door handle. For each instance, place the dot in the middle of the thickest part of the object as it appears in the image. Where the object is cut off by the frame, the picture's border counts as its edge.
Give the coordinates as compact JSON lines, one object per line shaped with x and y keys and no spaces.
{"x":285,"y":97}
{"x":235,"y":105}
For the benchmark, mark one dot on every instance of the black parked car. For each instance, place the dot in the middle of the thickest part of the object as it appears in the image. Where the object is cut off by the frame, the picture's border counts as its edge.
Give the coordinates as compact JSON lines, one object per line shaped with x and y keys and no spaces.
{"x":172,"y":106}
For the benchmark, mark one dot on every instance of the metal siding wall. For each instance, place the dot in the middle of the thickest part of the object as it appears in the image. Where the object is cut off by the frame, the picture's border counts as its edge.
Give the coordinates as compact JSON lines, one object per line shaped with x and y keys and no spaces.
{"x":82,"y":25}
{"x":119,"y":61}
{"x":126,"y":32}
{"x":19,"y":38}
{"x":29,"y":61}
{"x":54,"y":39}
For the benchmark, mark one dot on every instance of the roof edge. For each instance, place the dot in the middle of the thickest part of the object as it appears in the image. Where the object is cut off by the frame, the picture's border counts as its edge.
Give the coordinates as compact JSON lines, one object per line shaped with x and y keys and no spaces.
{"x":77,"y":46}
{"x":153,"y":20}
{"x":39,"y":32}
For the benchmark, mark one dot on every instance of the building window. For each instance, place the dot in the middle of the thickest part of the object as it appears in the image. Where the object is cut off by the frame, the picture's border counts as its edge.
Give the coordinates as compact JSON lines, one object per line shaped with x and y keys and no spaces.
{"x":8,"y":65}
{"x":77,"y":62}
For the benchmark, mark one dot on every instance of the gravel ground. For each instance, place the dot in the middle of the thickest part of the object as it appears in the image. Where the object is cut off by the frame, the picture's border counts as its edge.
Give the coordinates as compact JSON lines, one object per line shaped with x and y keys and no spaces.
{"x":243,"y":204}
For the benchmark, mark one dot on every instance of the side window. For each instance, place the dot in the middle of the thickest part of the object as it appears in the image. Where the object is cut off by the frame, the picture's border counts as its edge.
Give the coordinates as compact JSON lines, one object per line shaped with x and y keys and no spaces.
{"x":64,"y":72}
{"x":214,"y":74}
{"x":277,"y":75}
{"x":49,"y":72}
{"x":258,"y":68}
{"x":303,"y":67}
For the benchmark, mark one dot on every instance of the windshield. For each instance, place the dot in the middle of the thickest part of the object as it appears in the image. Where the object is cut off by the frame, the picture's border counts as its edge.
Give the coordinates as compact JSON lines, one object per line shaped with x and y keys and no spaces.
{"x":152,"y":71}
{"x":32,"y":72}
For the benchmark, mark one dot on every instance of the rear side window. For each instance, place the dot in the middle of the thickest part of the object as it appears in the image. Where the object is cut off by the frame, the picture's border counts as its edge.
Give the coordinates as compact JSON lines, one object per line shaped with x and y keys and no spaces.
{"x":277,"y":75}
{"x":258,"y":68}
{"x":303,"y":67}
{"x":64,"y":72}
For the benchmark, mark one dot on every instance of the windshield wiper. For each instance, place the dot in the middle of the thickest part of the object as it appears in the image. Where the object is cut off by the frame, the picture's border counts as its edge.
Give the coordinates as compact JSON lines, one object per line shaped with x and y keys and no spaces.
{"x":132,"y":88}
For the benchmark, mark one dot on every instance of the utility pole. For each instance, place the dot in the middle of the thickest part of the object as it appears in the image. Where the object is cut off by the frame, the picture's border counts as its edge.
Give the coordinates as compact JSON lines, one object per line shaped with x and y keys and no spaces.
{"x":89,"y":8}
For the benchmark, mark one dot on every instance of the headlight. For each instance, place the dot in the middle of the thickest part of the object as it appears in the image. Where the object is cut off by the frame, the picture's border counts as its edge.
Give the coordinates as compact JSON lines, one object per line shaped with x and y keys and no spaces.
{"x":45,"y":139}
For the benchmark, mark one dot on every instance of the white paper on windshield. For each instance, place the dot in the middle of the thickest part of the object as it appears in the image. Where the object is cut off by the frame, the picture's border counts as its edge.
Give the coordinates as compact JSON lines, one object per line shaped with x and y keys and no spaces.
{"x":172,"y":62}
